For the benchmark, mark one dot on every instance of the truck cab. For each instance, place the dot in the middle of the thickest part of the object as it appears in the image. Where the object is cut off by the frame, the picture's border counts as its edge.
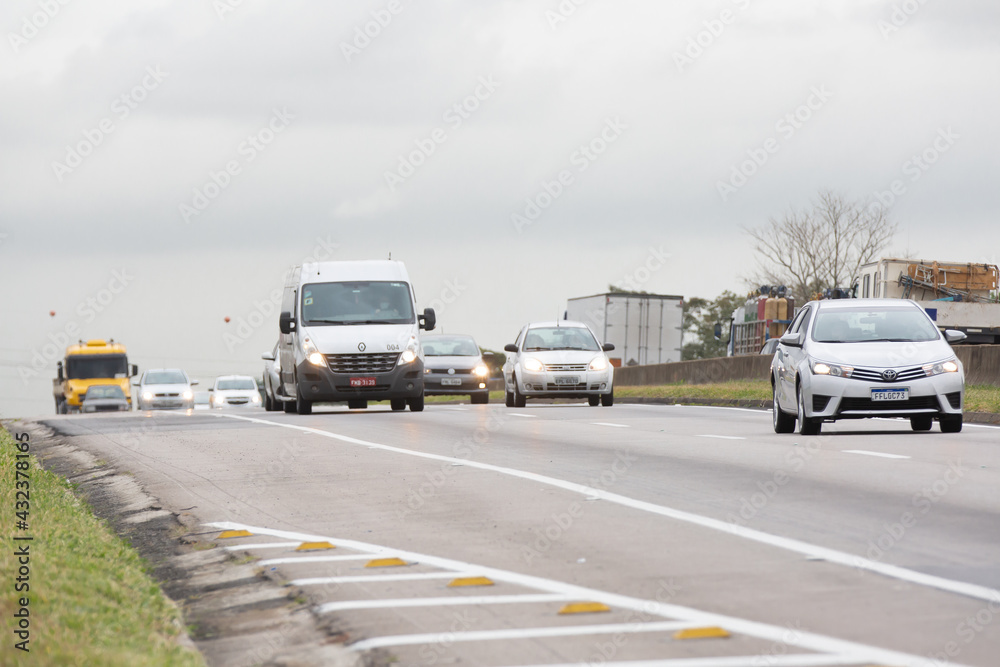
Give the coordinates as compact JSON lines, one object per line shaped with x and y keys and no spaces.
{"x":94,"y":362}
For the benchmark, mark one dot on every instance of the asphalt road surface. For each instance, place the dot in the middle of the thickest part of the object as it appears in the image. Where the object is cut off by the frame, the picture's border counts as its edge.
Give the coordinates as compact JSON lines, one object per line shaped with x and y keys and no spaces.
{"x":866,"y":545}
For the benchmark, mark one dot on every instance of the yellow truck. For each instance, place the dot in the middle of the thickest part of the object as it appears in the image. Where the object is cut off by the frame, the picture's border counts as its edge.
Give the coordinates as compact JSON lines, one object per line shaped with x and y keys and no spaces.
{"x":90,"y":363}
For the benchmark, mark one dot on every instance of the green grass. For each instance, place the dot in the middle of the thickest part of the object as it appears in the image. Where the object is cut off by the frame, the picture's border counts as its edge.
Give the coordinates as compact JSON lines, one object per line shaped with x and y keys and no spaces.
{"x":92,"y":601}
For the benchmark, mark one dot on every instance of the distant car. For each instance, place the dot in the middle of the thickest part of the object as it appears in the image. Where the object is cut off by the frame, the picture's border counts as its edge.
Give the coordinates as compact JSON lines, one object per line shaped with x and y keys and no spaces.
{"x":272,"y":379}
{"x":104,"y":398}
{"x":165,"y":389}
{"x":560,"y":359}
{"x":857,"y":358}
{"x":453,"y":365}
{"x":235,"y":390}
{"x":770,"y":346}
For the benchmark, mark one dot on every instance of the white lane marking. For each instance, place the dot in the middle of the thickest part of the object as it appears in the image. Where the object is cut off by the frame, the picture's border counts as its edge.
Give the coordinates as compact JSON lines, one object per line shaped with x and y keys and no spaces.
{"x":879,"y":454}
{"x":520,"y":414}
{"x":313,"y":559}
{"x":789,"y":544}
{"x":806,"y":640}
{"x":801,"y":660}
{"x":611,"y":424}
{"x":267,"y":545}
{"x":722,"y":437}
{"x":531,"y":598}
{"x":375,"y":578}
{"x":515,"y":633}
{"x":456,"y":409}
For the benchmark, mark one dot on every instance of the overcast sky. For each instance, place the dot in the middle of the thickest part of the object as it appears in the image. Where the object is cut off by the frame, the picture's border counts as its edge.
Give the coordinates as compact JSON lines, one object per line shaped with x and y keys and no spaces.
{"x":163,"y":163}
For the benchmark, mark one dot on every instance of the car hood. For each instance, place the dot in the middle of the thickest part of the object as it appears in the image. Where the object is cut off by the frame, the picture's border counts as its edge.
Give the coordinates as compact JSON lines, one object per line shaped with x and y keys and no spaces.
{"x":105,"y":401}
{"x":564,"y":356}
{"x":452,"y":362}
{"x":362,"y":338}
{"x":165,"y":388}
{"x":881,"y":355}
{"x":233,"y":393}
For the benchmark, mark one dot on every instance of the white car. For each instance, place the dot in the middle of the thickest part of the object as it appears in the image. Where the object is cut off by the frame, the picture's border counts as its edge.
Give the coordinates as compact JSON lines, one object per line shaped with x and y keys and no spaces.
{"x":559,"y":359}
{"x":165,"y":389}
{"x":235,"y":390}
{"x":858,"y":358}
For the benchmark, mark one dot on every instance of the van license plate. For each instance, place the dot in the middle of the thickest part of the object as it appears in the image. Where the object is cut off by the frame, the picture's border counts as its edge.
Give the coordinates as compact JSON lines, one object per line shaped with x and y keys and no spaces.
{"x":891,"y":394}
{"x":451,"y":382}
{"x":362,"y":382}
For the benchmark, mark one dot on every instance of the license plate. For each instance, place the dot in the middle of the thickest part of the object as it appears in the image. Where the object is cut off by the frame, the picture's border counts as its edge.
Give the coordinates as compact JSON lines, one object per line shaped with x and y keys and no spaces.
{"x":567,"y":379}
{"x":451,"y":382}
{"x":891,"y":394}
{"x":362,"y":382}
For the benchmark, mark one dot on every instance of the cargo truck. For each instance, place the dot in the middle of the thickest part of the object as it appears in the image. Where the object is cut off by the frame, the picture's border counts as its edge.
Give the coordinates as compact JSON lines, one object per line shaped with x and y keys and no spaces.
{"x":644,"y":328}
{"x":94,"y":362}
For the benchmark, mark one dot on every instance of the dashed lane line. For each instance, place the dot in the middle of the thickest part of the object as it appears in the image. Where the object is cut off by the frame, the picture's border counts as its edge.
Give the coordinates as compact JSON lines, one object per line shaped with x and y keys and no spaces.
{"x":527,"y":598}
{"x":722,"y":437}
{"x":883,"y":455}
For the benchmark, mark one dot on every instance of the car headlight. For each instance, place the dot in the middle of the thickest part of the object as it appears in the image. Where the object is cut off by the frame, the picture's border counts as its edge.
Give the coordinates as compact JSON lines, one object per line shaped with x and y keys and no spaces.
{"x":188,"y":395}
{"x":822,"y":368}
{"x":311,"y":353}
{"x":532,"y":364}
{"x":949,"y":366}
{"x":255,"y":398}
{"x":481,"y":371}
{"x":147,"y":395}
{"x":599,"y":363}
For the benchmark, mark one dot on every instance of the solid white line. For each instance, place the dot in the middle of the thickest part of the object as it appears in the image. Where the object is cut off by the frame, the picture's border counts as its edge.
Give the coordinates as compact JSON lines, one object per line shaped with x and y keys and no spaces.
{"x":268,"y":545}
{"x":533,"y":598}
{"x":805,"y":640}
{"x":515,"y":633}
{"x":789,"y":544}
{"x":610,"y":424}
{"x":723,"y":437}
{"x":376,"y":578}
{"x":801,"y":660}
{"x":313,"y":559}
{"x":879,"y":454}
{"x":520,"y":414}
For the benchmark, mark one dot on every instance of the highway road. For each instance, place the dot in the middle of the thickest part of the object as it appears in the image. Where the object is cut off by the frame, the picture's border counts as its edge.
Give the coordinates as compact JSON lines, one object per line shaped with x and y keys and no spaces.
{"x":866,"y":545}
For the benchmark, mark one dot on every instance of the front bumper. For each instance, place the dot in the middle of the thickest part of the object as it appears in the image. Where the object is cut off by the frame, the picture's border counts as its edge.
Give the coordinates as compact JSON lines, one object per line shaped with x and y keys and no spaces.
{"x":845,"y":398}
{"x":468,"y":383}
{"x":321,"y":384}
{"x":569,"y":384}
{"x":166,"y":404}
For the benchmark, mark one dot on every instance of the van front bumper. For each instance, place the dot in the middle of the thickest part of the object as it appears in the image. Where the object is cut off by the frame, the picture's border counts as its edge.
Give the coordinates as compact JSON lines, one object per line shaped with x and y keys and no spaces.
{"x":319,"y":384}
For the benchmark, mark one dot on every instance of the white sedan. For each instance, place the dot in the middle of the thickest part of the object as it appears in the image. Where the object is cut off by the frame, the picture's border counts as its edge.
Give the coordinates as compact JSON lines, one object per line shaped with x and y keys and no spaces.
{"x":235,"y":390}
{"x":559,"y":359}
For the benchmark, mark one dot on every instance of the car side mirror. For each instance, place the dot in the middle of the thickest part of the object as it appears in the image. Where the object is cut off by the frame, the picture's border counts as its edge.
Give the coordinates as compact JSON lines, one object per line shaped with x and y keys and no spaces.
{"x":134,"y":369}
{"x":194,"y":382}
{"x":954,"y":336}
{"x":791,"y":340}
{"x":286,"y":323}
{"x":607,"y":347}
{"x":428,"y":320}
{"x":267,"y":356}
{"x":510,"y":347}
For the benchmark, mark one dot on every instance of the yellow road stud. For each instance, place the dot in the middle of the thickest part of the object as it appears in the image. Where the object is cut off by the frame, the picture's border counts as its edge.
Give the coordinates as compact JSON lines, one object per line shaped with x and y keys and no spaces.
{"x":226,"y":534}
{"x":386,"y":562}
{"x":584,"y":608}
{"x":471,"y":581}
{"x":701,"y":633}
{"x":314,"y":546}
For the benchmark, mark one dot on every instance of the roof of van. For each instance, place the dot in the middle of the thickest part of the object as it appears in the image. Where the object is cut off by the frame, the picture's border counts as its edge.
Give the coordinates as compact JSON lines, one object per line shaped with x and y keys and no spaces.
{"x":374,"y":269}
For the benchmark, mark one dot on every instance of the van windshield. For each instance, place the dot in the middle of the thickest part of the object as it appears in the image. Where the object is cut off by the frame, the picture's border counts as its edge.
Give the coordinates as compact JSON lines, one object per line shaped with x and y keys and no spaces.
{"x":362,"y":302}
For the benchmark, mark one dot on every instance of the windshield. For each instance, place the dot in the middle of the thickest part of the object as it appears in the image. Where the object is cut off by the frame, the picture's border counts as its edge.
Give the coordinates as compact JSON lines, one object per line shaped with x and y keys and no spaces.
{"x":96,"y":366}
{"x":165,"y":377}
{"x":440,"y":346}
{"x":373,"y":302}
{"x":236,"y":383}
{"x":560,"y":338}
{"x":863,"y":325}
{"x":104,"y":391}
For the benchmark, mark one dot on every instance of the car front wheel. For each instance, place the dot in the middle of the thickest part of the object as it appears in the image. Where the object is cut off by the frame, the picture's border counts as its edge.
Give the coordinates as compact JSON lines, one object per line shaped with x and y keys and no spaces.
{"x":951,"y":424}
{"x":921,"y":422}
{"x":807,"y":426}
{"x":782,"y":421}
{"x":608,"y":399}
{"x":520,"y":400}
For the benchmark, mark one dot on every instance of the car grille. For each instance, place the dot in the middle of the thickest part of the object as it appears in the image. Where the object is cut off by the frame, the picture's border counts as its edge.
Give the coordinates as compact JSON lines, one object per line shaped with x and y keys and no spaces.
{"x":875,"y":374}
{"x":167,"y":395}
{"x":820,"y":402}
{"x":552,"y":386}
{"x":356,"y":364}
{"x":565,"y":367}
{"x":239,"y":400}
{"x":915,"y":403}
{"x":107,"y":408}
{"x":362,"y":390}
{"x":955,"y":399}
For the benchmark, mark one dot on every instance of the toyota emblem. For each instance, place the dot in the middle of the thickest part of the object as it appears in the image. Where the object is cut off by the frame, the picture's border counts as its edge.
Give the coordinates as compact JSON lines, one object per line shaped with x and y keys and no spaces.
{"x":889,"y":375}
{"x":361,"y":347}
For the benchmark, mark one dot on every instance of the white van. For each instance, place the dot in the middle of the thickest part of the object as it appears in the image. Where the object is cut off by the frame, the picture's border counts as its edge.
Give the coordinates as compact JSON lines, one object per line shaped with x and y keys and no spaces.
{"x":349,"y":332}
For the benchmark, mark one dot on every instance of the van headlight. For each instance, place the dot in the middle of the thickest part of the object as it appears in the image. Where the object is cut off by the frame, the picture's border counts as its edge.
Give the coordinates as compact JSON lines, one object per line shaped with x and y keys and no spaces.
{"x":949,"y":366}
{"x":599,"y":363}
{"x":311,"y":353}
{"x":822,"y":368}
{"x":409,"y":355}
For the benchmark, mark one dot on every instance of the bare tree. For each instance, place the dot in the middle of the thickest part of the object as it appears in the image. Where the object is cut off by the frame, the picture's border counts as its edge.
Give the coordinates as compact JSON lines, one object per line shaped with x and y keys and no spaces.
{"x":822,"y":247}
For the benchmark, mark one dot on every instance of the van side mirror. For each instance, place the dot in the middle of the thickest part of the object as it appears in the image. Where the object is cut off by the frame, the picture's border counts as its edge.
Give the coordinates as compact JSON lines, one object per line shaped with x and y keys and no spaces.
{"x":607,"y":347}
{"x":286,"y":323}
{"x":59,"y":372}
{"x":134,"y":370}
{"x":428,"y":320}
{"x":267,"y":356}
{"x":510,"y":347}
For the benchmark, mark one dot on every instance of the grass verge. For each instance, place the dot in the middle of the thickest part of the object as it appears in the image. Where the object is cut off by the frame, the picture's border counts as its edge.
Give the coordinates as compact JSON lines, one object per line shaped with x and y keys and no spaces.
{"x":91,"y":599}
